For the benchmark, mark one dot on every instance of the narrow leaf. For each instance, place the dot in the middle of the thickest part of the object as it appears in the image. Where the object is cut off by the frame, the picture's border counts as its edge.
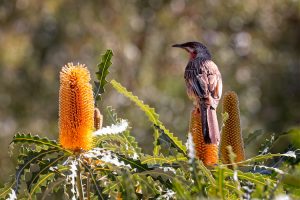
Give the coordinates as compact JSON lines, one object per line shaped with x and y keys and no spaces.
{"x":160,"y":159}
{"x":265,"y":157}
{"x":102,"y":73}
{"x":44,"y":170}
{"x":152,"y":115}
{"x":26,"y":165}
{"x":28,"y":138}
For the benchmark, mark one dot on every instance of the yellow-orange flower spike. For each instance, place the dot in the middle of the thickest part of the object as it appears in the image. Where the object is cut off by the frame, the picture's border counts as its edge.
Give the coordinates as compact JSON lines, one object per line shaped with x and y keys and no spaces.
{"x":231,"y":133}
{"x":211,"y":154}
{"x":208,"y":153}
{"x":76,"y":108}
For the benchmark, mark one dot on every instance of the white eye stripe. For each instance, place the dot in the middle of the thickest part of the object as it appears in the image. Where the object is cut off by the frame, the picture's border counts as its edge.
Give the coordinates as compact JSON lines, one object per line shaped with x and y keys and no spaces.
{"x":189,"y":49}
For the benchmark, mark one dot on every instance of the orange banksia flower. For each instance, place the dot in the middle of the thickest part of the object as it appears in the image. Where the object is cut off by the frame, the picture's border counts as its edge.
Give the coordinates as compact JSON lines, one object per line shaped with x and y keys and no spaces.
{"x":231,"y":133}
{"x":208,"y":153}
{"x":76,"y":108}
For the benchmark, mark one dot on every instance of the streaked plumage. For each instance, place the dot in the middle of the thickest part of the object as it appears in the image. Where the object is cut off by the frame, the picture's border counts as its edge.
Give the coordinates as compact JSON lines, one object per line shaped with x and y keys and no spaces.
{"x":204,"y":87}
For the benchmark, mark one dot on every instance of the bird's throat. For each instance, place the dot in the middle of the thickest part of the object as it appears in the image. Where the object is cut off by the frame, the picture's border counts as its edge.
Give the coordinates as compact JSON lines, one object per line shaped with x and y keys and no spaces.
{"x":193,"y":55}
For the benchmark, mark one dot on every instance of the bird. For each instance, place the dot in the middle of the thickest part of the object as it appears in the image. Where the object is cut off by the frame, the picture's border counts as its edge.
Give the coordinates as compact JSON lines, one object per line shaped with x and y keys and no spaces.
{"x":204,"y":87}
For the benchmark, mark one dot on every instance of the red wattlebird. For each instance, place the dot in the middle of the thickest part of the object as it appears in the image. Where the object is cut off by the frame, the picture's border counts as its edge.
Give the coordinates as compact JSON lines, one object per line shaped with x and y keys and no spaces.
{"x":204,"y":87}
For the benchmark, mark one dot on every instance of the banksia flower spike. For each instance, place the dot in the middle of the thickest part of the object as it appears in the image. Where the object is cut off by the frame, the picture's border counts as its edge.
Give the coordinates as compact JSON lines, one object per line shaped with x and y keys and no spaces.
{"x":76,"y":108}
{"x":208,"y":153}
{"x":231,"y":133}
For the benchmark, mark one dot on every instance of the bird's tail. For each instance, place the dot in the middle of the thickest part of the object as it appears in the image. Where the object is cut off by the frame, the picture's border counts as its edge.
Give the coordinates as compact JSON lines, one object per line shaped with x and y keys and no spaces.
{"x":210,"y":127}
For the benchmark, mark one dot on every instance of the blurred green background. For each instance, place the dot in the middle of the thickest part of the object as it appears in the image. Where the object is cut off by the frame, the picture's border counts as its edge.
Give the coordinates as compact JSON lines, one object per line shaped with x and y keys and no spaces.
{"x":256,"y":45}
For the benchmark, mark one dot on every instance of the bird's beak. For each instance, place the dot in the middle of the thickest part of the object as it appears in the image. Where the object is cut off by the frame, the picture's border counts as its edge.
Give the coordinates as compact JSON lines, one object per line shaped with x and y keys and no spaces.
{"x":177,"y":45}
{"x":183,"y":46}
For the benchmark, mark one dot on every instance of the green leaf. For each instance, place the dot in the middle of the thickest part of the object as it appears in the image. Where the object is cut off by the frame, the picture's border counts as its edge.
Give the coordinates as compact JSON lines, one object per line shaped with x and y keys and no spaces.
{"x":255,"y":178}
{"x":44,"y":143}
{"x":252,"y":136}
{"x":157,"y":172}
{"x":38,"y":178}
{"x":33,"y":157}
{"x":95,"y":182}
{"x":110,"y":138}
{"x":6,"y":189}
{"x":149,"y":187}
{"x":152,"y":116}
{"x":150,"y":112}
{"x":102,"y":73}
{"x":207,"y":173}
{"x":120,"y":149}
{"x":127,"y":139}
{"x":264,"y":157}
{"x":165,"y":139}
{"x":160,"y":159}
{"x":225,"y":117}
{"x":111,"y":115}
{"x":221,"y":182}
{"x":166,"y":176}
{"x":134,"y":163}
{"x":128,"y":186}
{"x":43,"y":181}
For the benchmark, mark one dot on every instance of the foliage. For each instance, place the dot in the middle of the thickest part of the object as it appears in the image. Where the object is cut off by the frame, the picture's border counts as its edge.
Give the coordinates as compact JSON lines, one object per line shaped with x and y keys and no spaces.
{"x":102,"y":73}
{"x":117,"y":167}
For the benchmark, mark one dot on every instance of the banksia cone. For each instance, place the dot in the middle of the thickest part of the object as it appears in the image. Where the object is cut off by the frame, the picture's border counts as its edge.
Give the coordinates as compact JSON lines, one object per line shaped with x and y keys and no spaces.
{"x":98,"y":119}
{"x":231,"y":133}
{"x":208,"y":153}
{"x":76,"y":108}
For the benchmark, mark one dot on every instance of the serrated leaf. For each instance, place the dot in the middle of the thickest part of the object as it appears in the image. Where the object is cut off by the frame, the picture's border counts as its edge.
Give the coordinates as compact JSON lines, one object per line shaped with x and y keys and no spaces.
{"x":25,"y":167}
{"x":160,"y":159}
{"x":252,"y":136}
{"x":255,"y":178}
{"x":120,"y":149}
{"x":111,"y":115}
{"x":43,"y":170}
{"x":128,"y":186}
{"x":148,"y":187}
{"x":207,"y":173}
{"x":134,"y":163}
{"x":150,"y":112}
{"x":265,"y":157}
{"x":6,"y":189}
{"x":95,"y":182}
{"x":122,"y":143}
{"x":110,"y":138}
{"x":157,"y":172}
{"x":28,"y":138}
{"x":111,"y":186}
{"x":166,"y":175}
{"x":130,"y":140}
{"x":152,"y":116}
{"x":221,"y":182}
{"x":164,"y":138}
{"x":45,"y":179}
{"x":101,"y":74}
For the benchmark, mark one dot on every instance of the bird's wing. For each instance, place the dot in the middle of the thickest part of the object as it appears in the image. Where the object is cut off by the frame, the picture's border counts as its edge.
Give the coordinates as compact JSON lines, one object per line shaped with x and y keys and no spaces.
{"x":205,"y":81}
{"x":195,"y":81}
{"x":214,"y":83}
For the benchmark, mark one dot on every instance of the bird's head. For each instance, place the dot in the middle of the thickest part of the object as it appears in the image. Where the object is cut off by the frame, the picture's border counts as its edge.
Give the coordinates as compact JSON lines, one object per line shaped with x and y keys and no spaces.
{"x":195,"y":49}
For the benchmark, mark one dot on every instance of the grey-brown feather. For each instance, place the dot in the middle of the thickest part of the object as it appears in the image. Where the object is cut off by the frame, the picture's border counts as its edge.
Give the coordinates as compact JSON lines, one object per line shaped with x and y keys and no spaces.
{"x":204,"y":87}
